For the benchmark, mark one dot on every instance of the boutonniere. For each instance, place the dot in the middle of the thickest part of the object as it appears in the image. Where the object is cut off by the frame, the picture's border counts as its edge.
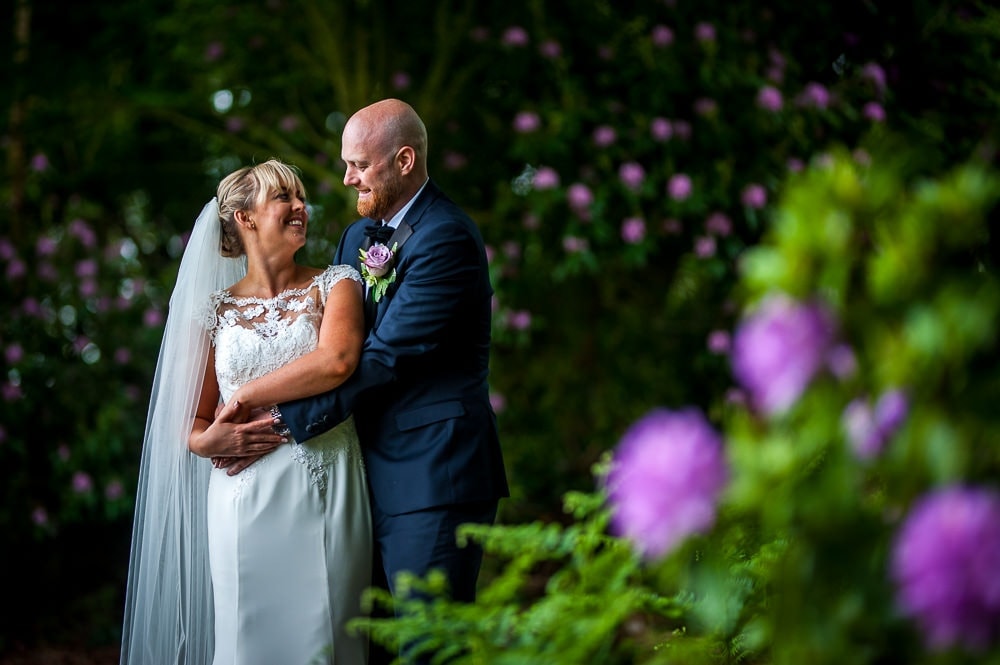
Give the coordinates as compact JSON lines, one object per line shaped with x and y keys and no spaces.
{"x":375,"y":263}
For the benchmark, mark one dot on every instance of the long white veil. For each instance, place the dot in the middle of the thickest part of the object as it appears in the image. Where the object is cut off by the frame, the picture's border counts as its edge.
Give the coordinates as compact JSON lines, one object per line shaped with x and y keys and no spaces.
{"x":168,"y":604}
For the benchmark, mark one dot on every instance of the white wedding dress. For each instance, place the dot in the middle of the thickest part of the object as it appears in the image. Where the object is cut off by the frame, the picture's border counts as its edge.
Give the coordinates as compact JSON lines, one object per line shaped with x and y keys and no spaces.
{"x":290,"y":537}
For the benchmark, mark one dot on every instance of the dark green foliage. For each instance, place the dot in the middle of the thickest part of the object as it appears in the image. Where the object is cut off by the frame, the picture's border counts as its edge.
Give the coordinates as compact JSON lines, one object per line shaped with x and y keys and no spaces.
{"x":124,"y":116}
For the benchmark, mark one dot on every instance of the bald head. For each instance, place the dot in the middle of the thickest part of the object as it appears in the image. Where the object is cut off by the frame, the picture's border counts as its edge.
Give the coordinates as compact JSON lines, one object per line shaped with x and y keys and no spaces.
{"x":388,"y":125}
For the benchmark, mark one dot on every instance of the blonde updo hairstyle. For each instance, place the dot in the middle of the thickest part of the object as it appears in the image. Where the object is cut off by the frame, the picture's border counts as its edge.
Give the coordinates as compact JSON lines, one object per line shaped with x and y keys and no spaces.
{"x":247,"y":188}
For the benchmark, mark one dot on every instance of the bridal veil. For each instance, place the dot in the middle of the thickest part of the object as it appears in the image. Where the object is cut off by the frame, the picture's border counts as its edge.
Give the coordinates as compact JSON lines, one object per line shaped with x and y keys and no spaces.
{"x":168,"y":604}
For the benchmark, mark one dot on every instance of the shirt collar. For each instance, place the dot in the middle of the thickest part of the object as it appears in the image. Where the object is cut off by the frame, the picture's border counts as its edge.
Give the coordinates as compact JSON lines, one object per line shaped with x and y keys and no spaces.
{"x":398,"y":217}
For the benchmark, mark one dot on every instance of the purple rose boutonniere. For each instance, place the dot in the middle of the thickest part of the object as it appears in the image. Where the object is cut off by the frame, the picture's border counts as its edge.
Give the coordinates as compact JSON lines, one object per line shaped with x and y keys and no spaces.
{"x":375,"y":263}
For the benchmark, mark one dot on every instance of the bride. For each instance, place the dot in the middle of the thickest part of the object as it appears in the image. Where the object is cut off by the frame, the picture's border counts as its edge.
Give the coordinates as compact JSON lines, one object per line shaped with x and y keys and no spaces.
{"x":263,"y":560}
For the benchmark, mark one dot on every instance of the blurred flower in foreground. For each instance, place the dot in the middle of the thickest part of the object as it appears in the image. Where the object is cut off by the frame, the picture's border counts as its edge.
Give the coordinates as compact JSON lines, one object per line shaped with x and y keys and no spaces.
{"x":778,"y":349}
{"x":944,"y":562}
{"x":666,"y":477}
{"x":869,"y":429}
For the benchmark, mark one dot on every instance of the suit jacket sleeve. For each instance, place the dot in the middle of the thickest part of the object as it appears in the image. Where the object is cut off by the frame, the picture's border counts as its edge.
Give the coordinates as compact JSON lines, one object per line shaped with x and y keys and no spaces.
{"x":437,"y":271}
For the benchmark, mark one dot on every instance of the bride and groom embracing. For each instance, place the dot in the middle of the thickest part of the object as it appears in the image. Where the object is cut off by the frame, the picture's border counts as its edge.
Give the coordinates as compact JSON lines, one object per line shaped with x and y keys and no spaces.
{"x":356,"y":428}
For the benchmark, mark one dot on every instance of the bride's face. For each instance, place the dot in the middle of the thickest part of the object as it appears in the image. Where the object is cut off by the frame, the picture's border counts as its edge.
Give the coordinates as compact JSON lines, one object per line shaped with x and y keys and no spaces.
{"x":282,"y":218}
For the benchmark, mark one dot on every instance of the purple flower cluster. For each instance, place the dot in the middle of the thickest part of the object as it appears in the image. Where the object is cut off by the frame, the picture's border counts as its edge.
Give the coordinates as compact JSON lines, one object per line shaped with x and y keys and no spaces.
{"x":870,"y":428}
{"x":779,"y":348}
{"x":944,"y":562}
{"x":666,"y":477}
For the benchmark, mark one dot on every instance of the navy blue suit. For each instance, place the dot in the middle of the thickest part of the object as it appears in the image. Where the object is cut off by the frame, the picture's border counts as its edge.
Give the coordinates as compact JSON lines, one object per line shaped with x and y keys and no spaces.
{"x":419,"y":395}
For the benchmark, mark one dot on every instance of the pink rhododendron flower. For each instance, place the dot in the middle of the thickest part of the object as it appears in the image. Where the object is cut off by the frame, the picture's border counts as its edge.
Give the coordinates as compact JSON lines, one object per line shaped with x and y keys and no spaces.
{"x":633,"y":230}
{"x":679,"y":186}
{"x":704,"y":247}
{"x":545,"y":178}
{"x":661,"y":129}
{"x":944,"y":563}
{"x":769,"y":98}
{"x":662,"y":36}
{"x":519,"y":319}
{"x":82,"y":482}
{"x":579,"y":196}
{"x":85,"y":268}
{"x":40,"y":516}
{"x":632,"y":175}
{"x":526,"y":122}
{"x":16,"y":269}
{"x":779,"y":348}
{"x":874,"y":112}
{"x":550,"y":49}
{"x":604,"y":136}
{"x":13,"y":353}
{"x":152,"y":318}
{"x":754,"y":196}
{"x":46,"y":246}
{"x":574,"y":245}
{"x":704,"y":32}
{"x":498,"y":402}
{"x":515,"y":36}
{"x":39,"y":162}
{"x":815,"y":95}
{"x":666,"y":477}
{"x":874,"y":73}
{"x":113,"y":490}
{"x":82,"y":232}
{"x":718,"y":224}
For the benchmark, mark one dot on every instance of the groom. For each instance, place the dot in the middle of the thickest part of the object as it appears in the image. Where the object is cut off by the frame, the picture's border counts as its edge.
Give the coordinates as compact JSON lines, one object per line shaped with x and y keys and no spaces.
{"x":419,"y":395}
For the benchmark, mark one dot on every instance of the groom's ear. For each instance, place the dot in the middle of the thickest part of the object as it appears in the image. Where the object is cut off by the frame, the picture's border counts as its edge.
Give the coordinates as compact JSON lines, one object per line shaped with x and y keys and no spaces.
{"x":406,"y":158}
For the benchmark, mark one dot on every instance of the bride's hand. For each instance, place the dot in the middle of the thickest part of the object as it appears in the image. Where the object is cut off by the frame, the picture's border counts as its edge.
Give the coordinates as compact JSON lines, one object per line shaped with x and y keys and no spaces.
{"x":239,"y":432}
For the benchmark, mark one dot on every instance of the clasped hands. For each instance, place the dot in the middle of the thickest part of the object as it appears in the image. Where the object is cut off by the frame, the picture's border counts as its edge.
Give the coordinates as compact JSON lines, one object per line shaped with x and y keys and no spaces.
{"x":242,"y":436}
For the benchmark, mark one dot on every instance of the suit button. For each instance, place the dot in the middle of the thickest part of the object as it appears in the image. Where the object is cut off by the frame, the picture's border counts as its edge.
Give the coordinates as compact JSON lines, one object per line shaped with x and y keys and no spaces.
{"x":310,"y":428}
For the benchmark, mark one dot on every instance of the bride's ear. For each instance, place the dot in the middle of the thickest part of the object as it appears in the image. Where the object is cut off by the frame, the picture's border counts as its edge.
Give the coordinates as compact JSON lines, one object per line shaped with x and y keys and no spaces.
{"x":242,"y":218}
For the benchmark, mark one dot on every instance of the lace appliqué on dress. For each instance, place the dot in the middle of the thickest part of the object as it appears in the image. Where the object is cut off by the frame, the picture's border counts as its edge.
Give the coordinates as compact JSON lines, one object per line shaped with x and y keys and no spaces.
{"x":255,"y":336}
{"x":320,"y":452}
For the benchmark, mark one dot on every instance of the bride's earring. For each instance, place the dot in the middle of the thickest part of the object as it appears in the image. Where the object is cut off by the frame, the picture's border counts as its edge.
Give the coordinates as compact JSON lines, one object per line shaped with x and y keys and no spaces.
{"x":252,"y":225}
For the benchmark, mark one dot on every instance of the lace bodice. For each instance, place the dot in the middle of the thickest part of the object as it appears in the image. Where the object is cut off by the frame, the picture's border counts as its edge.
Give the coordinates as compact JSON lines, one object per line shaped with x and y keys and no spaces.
{"x":254,"y":336}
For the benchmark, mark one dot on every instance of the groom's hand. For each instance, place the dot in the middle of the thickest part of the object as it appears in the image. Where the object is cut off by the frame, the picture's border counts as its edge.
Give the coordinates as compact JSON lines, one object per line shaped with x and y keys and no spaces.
{"x":240,"y":437}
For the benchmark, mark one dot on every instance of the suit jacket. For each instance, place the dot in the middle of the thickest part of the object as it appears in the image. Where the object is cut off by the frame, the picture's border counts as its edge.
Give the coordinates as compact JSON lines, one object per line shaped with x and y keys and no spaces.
{"x":419,"y":395}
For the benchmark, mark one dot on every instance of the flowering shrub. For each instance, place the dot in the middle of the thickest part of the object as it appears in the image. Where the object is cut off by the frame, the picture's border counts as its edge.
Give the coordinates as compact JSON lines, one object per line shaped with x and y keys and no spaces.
{"x":829,"y":530}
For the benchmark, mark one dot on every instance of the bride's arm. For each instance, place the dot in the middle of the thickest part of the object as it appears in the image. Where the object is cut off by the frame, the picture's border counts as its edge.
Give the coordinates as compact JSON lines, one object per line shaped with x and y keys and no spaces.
{"x":226,"y":434}
{"x":341,"y":335}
